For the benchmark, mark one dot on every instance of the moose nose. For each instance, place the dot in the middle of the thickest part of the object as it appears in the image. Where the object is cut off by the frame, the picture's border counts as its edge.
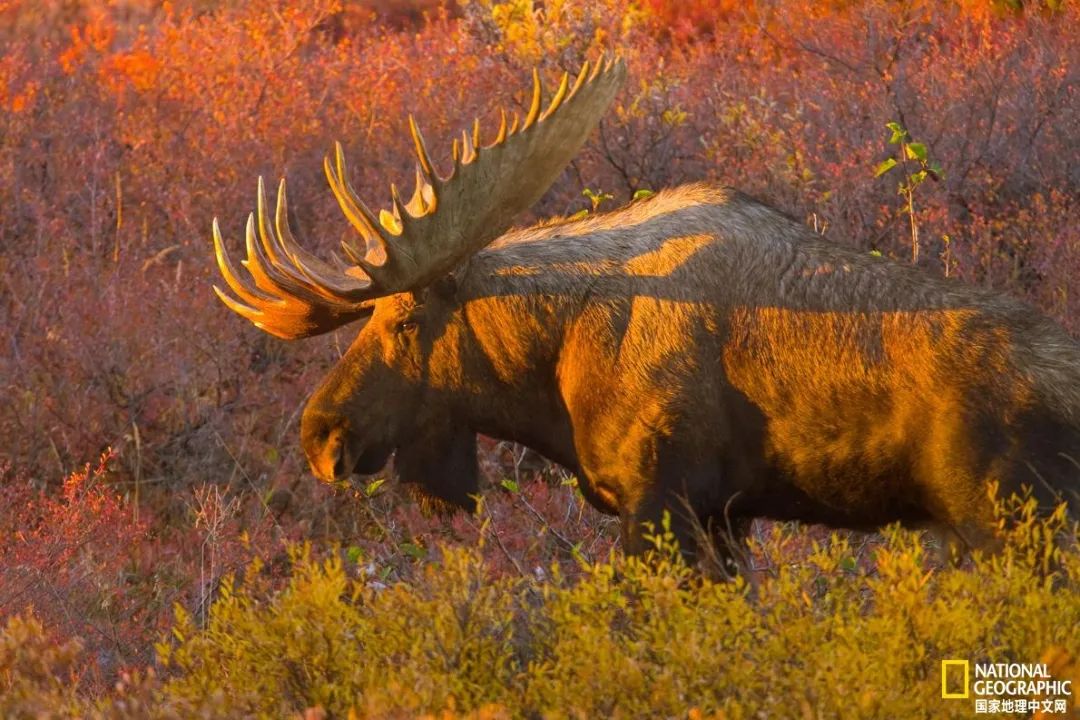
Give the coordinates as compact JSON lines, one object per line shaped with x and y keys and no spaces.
{"x":326,"y":451}
{"x":340,"y":462}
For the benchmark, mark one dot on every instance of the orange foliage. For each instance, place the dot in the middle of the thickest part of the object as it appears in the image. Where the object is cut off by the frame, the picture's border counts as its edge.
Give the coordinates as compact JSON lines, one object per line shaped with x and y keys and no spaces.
{"x":140,"y":68}
{"x":684,"y":19}
{"x":21,"y":100}
{"x":94,"y":37}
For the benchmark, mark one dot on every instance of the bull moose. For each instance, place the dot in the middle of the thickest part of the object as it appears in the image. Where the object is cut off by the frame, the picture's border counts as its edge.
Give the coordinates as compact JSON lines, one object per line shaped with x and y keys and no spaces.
{"x":696,"y":350}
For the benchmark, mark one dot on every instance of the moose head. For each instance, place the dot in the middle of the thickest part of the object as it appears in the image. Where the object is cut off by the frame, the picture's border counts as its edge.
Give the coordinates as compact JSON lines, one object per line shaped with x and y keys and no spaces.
{"x":390,"y":390}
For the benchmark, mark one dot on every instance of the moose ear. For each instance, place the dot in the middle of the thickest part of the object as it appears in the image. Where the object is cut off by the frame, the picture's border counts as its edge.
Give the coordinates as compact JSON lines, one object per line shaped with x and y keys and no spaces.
{"x":445,"y":287}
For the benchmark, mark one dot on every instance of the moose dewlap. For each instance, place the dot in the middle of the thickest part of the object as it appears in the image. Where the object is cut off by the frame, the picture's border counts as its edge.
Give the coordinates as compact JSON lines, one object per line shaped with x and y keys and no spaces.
{"x":697,"y":352}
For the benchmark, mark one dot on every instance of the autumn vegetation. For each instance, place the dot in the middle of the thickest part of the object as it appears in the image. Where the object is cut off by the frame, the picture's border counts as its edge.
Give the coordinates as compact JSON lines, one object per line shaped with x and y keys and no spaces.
{"x":165,"y":553}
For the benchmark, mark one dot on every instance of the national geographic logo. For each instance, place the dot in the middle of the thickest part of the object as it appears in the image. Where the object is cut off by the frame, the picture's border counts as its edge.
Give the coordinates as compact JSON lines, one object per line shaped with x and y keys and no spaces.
{"x":1006,"y":688}
{"x":955,"y":674}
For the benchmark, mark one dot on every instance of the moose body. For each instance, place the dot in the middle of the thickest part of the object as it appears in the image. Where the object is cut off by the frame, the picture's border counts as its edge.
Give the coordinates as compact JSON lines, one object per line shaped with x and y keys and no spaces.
{"x":696,"y":353}
{"x":701,"y":350}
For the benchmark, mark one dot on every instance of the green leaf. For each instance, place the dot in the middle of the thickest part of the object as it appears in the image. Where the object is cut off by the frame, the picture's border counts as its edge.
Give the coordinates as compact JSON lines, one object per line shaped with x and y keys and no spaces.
{"x":876,"y":253}
{"x":884,"y":167}
{"x":642,"y":194}
{"x":918,"y":178}
{"x":373,"y":486}
{"x":354,"y":553}
{"x":916,"y":151}
{"x":899,"y":134}
{"x":935,"y":170}
{"x":510,"y":485}
{"x":596,"y":197}
{"x":580,"y":215}
{"x":413,"y":550}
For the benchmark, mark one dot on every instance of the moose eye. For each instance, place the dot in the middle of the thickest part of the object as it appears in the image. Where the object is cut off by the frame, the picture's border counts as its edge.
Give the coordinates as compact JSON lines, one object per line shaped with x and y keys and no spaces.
{"x":406,"y":326}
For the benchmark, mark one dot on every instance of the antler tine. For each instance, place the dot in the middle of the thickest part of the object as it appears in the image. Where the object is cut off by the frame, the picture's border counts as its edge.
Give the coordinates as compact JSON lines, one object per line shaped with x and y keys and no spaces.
{"x":583,"y":75}
{"x":421,"y":151}
{"x":358,"y":218}
{"x":248,"y":294}
{"x":266,"y":274}
{"x":266,"y":234}
{"x":559,"y":96}
{"x":289,"y":246}
{"x":395,"y":206}
{"x":501,"y":135}
{"x":423,"y":195}
{"x":273,"y":271}
{"x":358,"y":214}
{"x":534,"y":107}
{"x":468,"y":149}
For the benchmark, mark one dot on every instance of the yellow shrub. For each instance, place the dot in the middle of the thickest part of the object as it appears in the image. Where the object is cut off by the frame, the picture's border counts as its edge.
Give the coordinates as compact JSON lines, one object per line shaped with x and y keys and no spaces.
{"x":640,"y":638}
{"x":837,"y":633}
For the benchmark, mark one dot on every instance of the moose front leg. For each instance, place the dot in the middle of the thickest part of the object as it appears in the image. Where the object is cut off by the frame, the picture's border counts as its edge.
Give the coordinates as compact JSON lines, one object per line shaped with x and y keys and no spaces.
{"x":715,"y":543}
{"x":654,"y":513}
{"x":637,"y":533}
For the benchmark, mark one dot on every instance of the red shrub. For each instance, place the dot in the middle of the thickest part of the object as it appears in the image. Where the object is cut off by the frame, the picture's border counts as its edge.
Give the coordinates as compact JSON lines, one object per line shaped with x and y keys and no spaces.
{"x":69,"y":556}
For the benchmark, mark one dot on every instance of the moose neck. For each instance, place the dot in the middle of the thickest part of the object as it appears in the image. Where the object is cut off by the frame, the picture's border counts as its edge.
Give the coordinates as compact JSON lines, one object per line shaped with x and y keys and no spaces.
{"x":509,"y":336}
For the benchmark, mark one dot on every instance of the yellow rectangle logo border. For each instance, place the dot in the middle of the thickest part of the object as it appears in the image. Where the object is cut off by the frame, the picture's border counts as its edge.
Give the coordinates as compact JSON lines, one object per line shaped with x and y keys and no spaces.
{"x":945,"y":665}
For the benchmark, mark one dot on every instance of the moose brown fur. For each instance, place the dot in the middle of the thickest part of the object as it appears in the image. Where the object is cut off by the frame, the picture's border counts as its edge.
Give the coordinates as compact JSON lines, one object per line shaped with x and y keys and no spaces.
{"x":699,"y":350}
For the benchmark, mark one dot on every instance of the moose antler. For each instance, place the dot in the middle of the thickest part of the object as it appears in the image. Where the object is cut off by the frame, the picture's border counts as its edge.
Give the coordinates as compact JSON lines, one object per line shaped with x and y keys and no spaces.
{"x":295,"y":294}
